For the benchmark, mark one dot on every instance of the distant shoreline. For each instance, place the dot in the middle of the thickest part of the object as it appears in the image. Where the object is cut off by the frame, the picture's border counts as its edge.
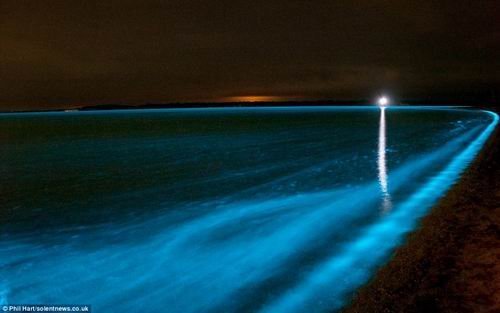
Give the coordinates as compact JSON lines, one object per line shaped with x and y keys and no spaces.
{"x":187,"y":105}
{"x":450,"y":263}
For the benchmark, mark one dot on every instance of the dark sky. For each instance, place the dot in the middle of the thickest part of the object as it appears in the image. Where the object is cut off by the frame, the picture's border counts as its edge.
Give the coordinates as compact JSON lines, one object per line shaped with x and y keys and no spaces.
{"x":70,"y":53}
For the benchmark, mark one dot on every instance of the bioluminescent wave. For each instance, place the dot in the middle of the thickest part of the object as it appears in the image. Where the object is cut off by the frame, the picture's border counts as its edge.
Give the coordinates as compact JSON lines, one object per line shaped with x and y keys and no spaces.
{"x":234,"y":210}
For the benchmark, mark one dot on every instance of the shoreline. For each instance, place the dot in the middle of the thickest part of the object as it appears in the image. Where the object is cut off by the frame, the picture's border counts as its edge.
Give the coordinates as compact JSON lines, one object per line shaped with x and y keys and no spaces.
{"x":251,"y":104}
{"x":451,"y":262}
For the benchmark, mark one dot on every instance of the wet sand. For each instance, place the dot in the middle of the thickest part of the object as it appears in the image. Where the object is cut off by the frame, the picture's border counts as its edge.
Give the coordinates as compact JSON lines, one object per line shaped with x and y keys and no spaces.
{"x":451,"y":263}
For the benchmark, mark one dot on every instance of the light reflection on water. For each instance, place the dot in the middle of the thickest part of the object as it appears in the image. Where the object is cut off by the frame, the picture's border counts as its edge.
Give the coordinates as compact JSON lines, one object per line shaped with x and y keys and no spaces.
{"x":381,"y":162}
{"x":300,"y":252}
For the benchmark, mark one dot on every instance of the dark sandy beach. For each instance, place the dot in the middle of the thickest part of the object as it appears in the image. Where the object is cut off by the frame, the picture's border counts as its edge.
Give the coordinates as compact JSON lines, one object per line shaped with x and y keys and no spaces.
{"x":451,"y":263}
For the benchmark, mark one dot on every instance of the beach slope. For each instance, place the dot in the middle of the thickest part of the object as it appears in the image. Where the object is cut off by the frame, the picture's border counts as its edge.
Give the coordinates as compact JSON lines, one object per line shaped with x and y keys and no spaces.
{"x":452,"y":262}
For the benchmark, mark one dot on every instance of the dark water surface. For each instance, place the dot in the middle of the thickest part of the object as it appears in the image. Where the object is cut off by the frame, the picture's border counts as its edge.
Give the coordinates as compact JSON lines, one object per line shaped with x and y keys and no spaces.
{"x":210,"y":210}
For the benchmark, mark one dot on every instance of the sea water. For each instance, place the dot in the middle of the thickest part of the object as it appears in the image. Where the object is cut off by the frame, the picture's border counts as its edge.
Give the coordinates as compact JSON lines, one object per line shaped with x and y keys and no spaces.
{"x":218,"y":210}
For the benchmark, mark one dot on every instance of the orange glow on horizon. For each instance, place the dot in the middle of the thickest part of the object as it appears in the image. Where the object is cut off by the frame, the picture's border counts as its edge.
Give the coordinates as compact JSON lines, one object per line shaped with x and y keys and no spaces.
{"x":253,"y":99}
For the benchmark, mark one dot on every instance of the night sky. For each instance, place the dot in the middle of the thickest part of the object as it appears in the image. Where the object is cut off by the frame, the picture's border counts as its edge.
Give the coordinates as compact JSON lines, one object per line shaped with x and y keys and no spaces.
{"x":70,"y":53}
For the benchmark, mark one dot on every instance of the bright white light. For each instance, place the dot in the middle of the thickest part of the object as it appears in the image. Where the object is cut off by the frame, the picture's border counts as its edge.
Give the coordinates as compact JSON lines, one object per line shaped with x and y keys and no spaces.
{"x":383,"y":101}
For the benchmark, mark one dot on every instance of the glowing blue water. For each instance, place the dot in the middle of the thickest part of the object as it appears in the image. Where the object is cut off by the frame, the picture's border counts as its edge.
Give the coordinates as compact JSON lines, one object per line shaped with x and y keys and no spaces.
{"x":273,"y":210}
